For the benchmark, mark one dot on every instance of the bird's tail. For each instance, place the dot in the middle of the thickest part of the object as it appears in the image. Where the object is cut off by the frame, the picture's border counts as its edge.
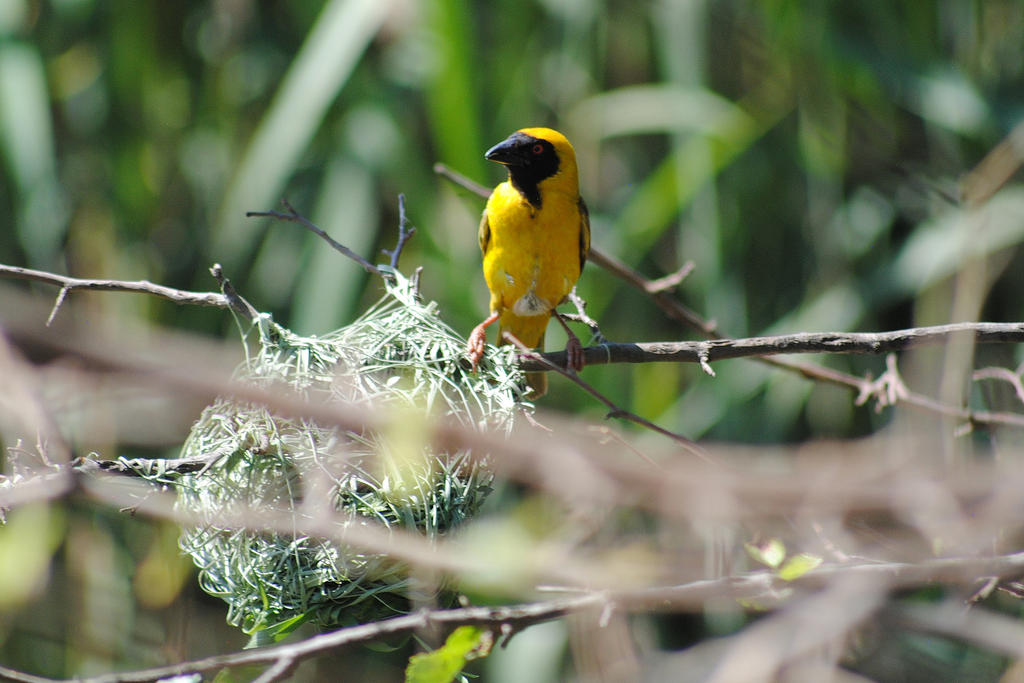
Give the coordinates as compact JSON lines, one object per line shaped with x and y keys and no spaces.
{"x":538,"y":383}
{"x":530,"y":331}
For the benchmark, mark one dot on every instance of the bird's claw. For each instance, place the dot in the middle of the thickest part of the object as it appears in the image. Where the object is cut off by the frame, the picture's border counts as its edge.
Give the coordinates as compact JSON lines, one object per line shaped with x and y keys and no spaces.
{"x":574,"y":359}
{"x":475,"y":345}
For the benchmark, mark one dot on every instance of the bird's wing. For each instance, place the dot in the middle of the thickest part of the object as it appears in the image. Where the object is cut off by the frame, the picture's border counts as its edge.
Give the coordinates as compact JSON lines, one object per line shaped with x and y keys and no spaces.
{"x":484,"y":234}
{"x":584,"y":232}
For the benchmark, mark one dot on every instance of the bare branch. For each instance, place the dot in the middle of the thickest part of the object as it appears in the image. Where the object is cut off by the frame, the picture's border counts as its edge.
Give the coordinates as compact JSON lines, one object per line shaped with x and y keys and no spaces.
{"x":886,"y":390}
{"x":68,"y":284}
{"x":663,"y":299}
{"x":294,"y":216}
{"x":676,"y":311}
{"x":582,"y":317}
{"x":461,"y":180}
{"x":613,"y":408}
{"x":670,"y":281}
{"x":280,"y":669}
{"x":405,"y":232}
{"x":1005,"y":374}
{"x":238,"y":304}
{"x":803,"y":342}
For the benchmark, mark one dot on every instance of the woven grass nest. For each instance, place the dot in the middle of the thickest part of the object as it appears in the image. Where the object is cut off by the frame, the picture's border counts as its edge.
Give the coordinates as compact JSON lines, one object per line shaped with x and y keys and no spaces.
{"x":399,"y":356}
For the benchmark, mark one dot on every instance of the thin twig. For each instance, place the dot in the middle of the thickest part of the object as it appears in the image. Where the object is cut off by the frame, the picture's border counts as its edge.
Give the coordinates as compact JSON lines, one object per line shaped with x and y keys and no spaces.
{"x":294,"y":216}
{"x":670,"y":281}
{"x":462,"y":181}
{"x":405,"y":232}
{"x":68,"y":284}
{"x":608,"y":435}
{"x":281,"y":668}
{"x":235,"y":300}
{"x":1005,"y":374}
{"x":613,"y":408}
{"x":581,"y":316}
{"x":700,"y":351}
{"x":663,"y":299}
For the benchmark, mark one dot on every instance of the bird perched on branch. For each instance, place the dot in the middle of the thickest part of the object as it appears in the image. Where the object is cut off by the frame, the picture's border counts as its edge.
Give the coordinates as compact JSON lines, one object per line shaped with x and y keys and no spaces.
{"x":534,"y":235}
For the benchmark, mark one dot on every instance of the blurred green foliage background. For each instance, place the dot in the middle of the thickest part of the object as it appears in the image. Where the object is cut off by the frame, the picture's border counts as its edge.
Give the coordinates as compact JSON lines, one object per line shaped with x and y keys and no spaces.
{"x":805,"y":155}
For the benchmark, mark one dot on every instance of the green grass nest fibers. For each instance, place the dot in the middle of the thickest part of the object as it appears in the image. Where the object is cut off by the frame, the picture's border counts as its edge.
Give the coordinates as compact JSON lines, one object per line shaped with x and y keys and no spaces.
{"x":399,"y":357}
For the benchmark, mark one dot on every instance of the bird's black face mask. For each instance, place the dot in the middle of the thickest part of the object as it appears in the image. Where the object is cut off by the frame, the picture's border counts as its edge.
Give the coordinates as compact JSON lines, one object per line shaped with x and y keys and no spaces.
{"x":529,"y":160}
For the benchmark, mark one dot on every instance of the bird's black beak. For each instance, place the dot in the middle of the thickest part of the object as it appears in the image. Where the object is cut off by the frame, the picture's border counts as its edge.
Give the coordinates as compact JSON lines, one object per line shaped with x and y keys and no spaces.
{"x":512,"y":151}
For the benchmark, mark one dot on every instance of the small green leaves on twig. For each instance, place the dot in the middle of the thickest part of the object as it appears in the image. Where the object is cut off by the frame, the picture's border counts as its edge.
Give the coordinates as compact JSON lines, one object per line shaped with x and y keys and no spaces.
{"x":772,"y":554}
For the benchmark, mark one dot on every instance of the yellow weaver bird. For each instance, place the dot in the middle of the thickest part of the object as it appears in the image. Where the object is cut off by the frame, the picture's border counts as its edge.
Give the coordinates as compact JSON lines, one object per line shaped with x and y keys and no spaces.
{"x":534,"y":235}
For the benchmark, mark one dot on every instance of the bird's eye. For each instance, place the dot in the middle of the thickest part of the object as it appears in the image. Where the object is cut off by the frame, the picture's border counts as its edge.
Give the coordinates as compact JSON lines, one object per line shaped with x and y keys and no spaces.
{"x":538,"y":148}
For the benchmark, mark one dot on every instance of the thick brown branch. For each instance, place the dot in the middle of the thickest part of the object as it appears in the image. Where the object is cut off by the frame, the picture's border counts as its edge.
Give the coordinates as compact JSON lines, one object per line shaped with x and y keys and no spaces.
{"x":804,"y":342}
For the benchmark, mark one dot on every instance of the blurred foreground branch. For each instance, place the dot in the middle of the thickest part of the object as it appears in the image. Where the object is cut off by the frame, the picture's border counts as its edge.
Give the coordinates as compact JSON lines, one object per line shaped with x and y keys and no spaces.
{"x":859,"y":579}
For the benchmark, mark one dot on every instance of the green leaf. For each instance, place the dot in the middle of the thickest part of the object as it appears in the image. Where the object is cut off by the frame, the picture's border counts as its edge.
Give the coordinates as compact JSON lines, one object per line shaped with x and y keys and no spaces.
{"x":275,"y":633}
{"x":445,"y":663}
{"x":770,"y":553}
{"x":798,"y":565}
